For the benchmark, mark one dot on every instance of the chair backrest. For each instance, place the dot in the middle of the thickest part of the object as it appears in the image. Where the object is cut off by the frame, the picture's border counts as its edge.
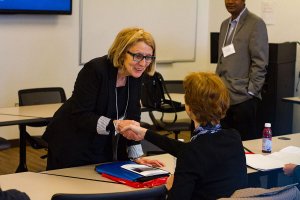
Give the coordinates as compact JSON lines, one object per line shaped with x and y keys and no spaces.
{"x":156,"y":193}
{"x":289,"y":192}
{"x":174,"y":86}
{"x":37,"y":96}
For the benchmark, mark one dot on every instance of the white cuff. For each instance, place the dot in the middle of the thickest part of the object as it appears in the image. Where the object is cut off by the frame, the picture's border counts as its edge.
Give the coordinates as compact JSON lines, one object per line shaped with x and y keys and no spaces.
{"x":102,"y":124}
{"x":135,"y":151}
{"x":251,"y":93}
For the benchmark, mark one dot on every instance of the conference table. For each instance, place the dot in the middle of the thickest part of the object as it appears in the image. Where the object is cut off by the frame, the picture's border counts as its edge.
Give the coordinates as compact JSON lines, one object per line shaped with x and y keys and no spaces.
{"x":22,"y":116}
{"x":75,"y":180}
{"x":85,"y":179}
{"x":295,"y":100}
{"x":278,"y":143}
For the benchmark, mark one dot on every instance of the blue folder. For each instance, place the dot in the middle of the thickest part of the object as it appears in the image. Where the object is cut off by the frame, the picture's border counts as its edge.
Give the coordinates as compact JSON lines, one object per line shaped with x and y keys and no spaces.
{"x":115,"y":169}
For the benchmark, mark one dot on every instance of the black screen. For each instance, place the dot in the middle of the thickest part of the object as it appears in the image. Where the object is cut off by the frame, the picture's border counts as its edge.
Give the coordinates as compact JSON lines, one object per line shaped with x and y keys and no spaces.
{"x":214,"y":43}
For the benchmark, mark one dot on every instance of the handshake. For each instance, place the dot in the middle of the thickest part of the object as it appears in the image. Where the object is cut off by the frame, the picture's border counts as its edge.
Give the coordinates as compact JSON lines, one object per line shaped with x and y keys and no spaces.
{"x":130,"y":129}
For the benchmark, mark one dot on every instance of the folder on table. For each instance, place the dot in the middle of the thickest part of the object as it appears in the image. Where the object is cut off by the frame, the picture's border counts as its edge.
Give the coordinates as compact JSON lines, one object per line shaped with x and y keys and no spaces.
{"x":129,"y":170}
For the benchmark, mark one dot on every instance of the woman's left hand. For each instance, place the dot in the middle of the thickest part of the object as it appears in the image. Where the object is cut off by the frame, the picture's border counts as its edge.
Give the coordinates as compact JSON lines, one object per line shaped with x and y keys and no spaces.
{"x":170,"y":182}
{"x":149,"y":162}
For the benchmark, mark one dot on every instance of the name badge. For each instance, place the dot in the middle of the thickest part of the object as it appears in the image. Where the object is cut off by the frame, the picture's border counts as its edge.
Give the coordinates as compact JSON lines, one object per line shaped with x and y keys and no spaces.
{"x":228,"y":50}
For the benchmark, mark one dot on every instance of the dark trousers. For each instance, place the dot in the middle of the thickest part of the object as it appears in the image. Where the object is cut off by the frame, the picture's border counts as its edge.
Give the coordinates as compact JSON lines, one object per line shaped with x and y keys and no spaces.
{"x":242,"y":117}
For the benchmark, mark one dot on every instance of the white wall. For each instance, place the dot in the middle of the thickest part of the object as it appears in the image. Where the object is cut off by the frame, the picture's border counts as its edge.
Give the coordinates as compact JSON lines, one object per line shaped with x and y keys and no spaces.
{"x":43,"y":51}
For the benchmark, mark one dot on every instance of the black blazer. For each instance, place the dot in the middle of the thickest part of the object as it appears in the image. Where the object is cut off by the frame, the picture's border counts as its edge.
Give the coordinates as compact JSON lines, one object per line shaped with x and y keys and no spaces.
{"x":210,"y":167}
{"x":72,"y":136}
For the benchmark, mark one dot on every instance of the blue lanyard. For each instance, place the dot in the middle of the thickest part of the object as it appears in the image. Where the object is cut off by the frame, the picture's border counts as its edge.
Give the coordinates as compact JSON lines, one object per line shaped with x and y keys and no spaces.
{"x":208,"y":129}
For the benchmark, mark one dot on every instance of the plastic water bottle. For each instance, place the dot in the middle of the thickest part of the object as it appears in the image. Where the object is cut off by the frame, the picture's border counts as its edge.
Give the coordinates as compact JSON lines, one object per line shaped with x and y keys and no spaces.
{"x":267,"y":139}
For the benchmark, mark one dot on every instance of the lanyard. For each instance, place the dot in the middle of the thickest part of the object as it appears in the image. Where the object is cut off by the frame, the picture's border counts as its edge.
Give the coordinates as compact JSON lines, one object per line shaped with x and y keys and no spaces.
{"x":115,"y":138}
{"x":233,"y":34}
{"x":117,"y":108}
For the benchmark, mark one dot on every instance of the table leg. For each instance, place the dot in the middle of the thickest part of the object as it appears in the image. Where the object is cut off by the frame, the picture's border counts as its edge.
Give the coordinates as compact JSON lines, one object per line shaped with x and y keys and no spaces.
{"x":22,"y":161}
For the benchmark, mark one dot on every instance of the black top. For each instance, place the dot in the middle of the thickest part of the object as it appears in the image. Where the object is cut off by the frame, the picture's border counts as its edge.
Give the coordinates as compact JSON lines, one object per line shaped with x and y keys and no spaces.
{"x":72,"y":134}
{"x":13,"y":194}
{"x":209,"y":167}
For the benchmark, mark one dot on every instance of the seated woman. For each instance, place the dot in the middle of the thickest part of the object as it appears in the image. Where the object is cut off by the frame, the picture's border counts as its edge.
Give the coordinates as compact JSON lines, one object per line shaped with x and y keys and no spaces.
{"x":213,"y":164}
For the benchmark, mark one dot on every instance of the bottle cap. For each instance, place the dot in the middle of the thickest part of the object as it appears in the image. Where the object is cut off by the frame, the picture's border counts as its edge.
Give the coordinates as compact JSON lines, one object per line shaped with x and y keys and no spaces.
{"x":268,"y":125}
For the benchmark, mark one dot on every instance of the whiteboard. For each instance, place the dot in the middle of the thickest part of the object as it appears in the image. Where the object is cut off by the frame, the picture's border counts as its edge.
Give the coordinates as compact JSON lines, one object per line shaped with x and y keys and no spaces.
{"x":173,"y":24}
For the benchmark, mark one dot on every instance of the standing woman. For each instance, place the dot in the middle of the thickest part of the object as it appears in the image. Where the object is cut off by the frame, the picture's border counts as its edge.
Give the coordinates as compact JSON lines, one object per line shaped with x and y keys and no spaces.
{"x":106,"y":93}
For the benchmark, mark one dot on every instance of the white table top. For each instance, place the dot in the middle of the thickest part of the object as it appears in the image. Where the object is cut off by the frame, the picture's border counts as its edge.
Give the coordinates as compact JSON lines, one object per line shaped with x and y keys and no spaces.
{"x":277,"y":144}
{"x":41,"y":111}
{"x":40,"y":186}
{"x":292,"y":99}
{"x":7,"y":120}
{"x":88,"y":171}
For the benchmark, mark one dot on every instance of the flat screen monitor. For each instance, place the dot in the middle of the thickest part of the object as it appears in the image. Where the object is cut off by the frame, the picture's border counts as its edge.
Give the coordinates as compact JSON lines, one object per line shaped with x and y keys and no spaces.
{"x":36,"y":7}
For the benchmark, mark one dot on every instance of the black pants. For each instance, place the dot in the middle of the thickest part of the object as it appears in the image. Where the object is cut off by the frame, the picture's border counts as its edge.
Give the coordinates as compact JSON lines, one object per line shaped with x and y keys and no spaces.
{"x":242,"y":117}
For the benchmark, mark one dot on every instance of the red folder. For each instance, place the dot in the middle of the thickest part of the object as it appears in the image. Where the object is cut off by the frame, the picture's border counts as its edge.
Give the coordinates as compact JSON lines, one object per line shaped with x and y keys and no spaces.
{"x":146,"y":184}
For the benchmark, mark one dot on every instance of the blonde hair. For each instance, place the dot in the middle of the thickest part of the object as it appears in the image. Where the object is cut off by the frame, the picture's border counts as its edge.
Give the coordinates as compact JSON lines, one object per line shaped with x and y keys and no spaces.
{"x":207,"y":97}
{"x":125,"y":39}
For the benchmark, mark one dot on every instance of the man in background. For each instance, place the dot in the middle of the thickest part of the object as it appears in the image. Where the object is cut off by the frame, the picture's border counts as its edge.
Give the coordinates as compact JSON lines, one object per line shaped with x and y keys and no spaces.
{"x":243,"y":57}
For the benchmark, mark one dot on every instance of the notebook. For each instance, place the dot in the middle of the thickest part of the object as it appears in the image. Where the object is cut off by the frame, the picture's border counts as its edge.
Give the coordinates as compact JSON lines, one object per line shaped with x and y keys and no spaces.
{"x":131,"y":171}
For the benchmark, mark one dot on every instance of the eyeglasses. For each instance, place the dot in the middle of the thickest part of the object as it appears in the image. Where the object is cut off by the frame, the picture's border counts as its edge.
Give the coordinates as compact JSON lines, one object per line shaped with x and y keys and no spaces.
{"x":137,"y":57}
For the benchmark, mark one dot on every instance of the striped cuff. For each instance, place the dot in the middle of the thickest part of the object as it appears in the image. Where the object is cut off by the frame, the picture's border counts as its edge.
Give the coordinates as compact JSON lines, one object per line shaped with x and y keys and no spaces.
{"x":251,"y":93}
{"x":102,"y":124}
{"x":135,"y":151}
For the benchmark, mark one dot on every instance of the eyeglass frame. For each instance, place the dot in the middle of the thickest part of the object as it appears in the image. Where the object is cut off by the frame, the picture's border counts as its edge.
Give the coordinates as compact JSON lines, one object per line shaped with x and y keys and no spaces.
{"x":143,"y":57}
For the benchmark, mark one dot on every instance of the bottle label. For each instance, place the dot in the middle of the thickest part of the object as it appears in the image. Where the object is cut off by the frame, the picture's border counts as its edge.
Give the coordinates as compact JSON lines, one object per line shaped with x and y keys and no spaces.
{"x":267,"y":145}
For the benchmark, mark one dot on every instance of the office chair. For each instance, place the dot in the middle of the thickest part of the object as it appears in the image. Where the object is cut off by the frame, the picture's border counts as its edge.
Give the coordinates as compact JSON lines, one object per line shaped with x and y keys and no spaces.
{"x":176,"y":125}
{"x":4,"y":144}
{"x":37,"y":96}
{"x":155,"y":193}
{"x":290,"y":192}
{"x":150,"y":149}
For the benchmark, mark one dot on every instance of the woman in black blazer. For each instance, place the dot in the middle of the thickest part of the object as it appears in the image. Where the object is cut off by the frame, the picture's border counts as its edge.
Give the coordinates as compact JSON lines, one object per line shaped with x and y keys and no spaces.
{"x":213,"y":164}
{"x":106,"y":93}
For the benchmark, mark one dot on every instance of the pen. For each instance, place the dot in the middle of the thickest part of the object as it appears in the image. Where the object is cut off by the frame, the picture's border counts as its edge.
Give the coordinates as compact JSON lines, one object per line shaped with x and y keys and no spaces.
{"x":248,"y":150}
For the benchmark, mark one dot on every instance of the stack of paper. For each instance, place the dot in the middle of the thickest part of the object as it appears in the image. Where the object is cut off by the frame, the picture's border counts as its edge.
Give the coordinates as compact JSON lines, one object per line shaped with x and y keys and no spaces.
{"x":290,"y":154}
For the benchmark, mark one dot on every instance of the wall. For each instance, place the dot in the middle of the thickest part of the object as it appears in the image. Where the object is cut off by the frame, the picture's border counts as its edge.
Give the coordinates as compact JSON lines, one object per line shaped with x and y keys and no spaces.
{"x":41,"y":51}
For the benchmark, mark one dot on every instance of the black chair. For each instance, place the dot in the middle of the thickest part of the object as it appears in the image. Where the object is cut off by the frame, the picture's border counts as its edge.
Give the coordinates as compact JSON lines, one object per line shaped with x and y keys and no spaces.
{"x":38,"y":96}
{"x":4,"y":144}
{"x":156,"y":193}
{"x":174,"y":125}
{"x":150,"y":149}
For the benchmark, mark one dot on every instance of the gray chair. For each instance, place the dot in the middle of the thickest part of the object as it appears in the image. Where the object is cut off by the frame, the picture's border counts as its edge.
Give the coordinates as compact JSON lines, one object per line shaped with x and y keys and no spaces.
{"x":155,"y":193}
{"x":288,"y":192}
{"x":38,"y":96}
